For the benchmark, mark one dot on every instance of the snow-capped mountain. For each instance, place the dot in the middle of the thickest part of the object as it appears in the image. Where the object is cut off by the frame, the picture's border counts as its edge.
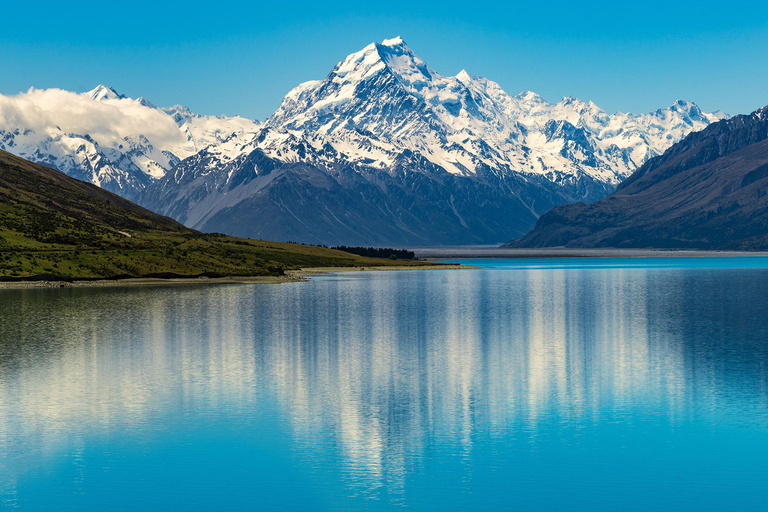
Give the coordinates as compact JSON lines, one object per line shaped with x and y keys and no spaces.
{"x":708,"y":191}
{"x":385,"y":150}
{"x":106,"y":138}
{"x":462,"y":122}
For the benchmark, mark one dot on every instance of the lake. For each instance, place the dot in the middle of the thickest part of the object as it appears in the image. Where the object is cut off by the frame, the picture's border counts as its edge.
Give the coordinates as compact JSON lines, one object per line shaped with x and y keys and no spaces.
{"x":570,"y":384}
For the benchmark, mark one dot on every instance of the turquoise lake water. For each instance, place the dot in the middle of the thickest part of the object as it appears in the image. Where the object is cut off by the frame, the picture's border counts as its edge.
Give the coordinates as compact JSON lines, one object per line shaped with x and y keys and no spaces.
{"x":614,"y":384}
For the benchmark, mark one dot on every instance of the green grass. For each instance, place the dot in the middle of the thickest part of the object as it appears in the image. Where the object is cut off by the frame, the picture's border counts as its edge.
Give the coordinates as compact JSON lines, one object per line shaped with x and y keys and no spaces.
{"x":172,"y":255}
{"x":54,"y":227}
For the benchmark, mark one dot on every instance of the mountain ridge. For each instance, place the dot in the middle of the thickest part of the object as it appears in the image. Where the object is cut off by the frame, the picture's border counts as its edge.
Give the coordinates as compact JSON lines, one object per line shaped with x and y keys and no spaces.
{"x":458,"y":151}
{"x":106,"y":138}
{"x":709,"y":191}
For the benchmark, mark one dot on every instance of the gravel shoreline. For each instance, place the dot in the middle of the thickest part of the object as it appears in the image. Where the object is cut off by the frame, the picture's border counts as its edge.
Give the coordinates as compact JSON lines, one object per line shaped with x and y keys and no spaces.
{"x":292,"y":276}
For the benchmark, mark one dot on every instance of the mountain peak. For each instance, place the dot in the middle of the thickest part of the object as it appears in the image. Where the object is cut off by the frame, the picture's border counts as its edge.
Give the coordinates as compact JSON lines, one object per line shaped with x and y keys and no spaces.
{"x":463,"y":76}
{"x":180,"y":114}
{"x":391,"y":54}
{"x":102,"y":92}
{"x":400,"y":59}
{"x":684,"y":105}
{"x":530,"y":96}
{"x":141,"y":100}
{"x":686,"y":108}
{"x":395,"y":41}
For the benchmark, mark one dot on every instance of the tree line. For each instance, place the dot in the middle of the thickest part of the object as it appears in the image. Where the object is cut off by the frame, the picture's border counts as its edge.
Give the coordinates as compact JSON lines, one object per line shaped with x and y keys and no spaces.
{"x":378,"y":252}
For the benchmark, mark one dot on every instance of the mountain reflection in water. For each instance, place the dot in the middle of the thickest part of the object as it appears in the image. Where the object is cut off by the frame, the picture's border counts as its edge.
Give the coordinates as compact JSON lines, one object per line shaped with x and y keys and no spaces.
{"x":629,"y":387}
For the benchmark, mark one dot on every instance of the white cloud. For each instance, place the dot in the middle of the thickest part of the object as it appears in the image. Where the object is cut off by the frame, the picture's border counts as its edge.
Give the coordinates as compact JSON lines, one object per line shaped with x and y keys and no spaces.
{"x":108,"y":122}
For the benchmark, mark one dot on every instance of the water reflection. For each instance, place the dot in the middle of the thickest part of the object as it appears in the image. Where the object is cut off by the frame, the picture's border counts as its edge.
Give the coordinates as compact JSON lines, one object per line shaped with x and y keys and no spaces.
{"x":375,"y":376}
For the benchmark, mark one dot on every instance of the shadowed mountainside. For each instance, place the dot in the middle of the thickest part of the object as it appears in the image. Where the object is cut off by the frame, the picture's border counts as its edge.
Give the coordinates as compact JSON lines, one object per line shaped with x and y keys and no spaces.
{"x":709,"y":191}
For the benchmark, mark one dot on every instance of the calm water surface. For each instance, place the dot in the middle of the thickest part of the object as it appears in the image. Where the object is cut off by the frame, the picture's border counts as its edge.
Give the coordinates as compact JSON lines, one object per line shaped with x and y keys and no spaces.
{"x":534,"y":385}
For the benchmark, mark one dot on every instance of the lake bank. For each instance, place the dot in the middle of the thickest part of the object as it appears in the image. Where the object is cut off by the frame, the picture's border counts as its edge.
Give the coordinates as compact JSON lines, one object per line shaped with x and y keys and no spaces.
{"x":485,"y":251}
{"x":291,"y":276}
{"x":100,"y":283}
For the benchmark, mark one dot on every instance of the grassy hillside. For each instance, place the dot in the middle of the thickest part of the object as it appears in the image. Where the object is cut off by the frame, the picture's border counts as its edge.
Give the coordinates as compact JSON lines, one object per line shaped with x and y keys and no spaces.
{"x":55,"y":227}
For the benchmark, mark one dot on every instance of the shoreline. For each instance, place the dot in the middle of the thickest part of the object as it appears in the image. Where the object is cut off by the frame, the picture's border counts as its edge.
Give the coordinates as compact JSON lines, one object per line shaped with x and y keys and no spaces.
{"x":149,"y":281}
{"x":291,"y":276}
{"x":434,"y":266}
{"x":491,"y":252}
{"x":441,"y":260}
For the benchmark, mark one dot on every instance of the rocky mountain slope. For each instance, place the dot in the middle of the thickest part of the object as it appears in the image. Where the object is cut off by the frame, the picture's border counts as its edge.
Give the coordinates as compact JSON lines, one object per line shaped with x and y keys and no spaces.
{"x":105,"y":138}
{"x":709,"y":191}
{"x":385,"y":150}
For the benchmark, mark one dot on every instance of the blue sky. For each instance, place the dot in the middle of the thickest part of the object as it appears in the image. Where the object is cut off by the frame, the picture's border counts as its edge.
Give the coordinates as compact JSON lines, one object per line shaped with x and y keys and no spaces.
{"x":242,"y":57}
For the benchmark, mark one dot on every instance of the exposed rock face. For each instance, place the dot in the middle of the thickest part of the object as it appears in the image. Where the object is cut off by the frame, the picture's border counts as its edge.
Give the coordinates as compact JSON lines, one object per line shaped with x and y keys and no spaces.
{"x":709,"y":191}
